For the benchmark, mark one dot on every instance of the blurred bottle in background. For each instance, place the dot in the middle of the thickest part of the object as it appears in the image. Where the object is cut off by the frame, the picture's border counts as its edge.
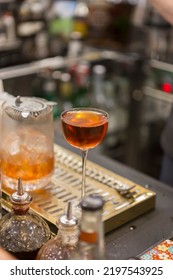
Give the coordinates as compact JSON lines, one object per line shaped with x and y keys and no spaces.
{"x":31,"y":28}
{"x":81,"y":76}
{"x":105,"y":96}
{"x":66,"y":90}
{"x":75,"y":45}
{"x":45,"y":86}
{"x":61,"y":25}
{"x":160,"y":36}
{"x":9,"y":26}
{"x":99,"y":20}
{"x":121,"y":13}
{"x":80,"y":18}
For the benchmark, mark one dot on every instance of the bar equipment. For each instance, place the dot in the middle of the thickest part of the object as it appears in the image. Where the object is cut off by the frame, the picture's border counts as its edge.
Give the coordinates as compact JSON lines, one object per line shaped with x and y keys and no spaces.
{"x":27,"y":143}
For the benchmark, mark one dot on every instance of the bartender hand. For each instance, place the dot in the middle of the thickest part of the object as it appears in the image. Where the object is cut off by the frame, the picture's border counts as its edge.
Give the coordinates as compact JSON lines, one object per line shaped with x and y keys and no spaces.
{"x":165,"y":8}
{"x":4,"y":255}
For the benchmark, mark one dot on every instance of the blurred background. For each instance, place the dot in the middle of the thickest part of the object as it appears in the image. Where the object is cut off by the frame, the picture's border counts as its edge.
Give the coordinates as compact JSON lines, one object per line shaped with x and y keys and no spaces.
{"x":112,"y":54}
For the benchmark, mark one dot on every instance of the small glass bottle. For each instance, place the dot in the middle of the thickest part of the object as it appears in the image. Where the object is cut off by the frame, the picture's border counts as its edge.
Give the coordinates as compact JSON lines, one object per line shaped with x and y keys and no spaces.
{"x":105,"y":91}
{"x":22,"y":233}
{"x":81,"y":80}
{"x":98,"y":21}
{"x":98,"y":86}
{"x":64,"y":243}
{"x":80,"y":23}
{"x":91,"y":237}
{"x":66,"y":90}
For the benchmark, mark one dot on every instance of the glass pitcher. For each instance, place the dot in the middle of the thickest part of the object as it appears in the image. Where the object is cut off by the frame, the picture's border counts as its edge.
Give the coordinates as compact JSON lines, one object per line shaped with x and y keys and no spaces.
{"x":27,"y":138}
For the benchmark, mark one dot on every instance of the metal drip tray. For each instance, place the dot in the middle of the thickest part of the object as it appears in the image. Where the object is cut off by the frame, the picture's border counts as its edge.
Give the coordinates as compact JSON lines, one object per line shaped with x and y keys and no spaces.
{"x":124,"y":199}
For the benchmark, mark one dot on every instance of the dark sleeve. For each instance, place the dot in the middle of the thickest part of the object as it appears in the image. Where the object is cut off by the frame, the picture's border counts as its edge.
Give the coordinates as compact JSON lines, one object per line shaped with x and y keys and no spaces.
{"x":167,"y":136}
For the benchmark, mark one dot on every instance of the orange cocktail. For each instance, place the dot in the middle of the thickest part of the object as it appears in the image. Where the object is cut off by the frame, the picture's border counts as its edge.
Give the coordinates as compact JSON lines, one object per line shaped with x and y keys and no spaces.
{"x":84,"y":129}
{"x":26,"y":154}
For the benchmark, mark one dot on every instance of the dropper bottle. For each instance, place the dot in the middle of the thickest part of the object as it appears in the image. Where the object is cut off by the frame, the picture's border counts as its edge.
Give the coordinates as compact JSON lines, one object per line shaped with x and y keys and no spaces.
{"x":22,"y":232}
{"x":64,"y":243}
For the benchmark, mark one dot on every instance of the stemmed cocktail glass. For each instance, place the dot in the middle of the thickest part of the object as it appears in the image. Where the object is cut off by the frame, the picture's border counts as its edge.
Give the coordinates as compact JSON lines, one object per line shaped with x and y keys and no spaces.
{"x":84,"y":128}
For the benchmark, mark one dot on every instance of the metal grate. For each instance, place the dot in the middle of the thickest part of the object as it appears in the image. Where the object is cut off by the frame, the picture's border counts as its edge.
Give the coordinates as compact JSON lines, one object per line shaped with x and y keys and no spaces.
{"x":124,"y":200}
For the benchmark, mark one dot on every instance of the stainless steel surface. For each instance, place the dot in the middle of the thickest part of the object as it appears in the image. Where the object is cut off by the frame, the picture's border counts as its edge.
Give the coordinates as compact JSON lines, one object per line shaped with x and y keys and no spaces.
{"x":158,"y":94}
{"x":164,"y":66}
{"x":59,"y":61}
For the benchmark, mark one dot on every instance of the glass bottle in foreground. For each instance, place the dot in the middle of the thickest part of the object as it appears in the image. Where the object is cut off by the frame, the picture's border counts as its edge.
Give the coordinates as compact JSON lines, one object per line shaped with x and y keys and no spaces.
{"x":64,"y":243}
{"x":91,"y":237}
{"x":22,"y":233}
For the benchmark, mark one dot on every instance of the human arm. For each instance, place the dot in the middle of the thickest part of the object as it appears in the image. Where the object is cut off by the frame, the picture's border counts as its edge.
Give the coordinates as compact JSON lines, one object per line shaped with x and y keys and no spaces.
{"x":165,"y":8}
{"x":4,"y":255}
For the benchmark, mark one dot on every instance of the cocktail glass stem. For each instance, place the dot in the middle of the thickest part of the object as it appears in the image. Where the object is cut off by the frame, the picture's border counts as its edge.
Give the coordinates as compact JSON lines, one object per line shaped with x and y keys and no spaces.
{"x":84,"y":159}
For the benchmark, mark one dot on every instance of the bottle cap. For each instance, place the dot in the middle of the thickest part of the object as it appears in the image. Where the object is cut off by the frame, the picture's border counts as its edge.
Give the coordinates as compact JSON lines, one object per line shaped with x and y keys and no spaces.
{"x":92,"y":203}
{"x":99,"y":69}
{"x":20,"y":197}
{"x":68,"y":219}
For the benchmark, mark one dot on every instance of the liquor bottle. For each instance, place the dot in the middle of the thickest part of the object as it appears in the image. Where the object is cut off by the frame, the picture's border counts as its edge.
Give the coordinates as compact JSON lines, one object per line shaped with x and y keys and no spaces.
{"x":63,"y":244}
{"x":22,"y":233}
{"x":91,"y":237}
{"x":99,"y":21}
{"x":66,"y":90}
{"x":75,"y":45}
{"x":121,"y":13}
{"x":45,"y":85}
{"x":61,"y":25}
{"x":98,"y":86}
{"x":104,"y":96}
{"x":9,"y":24}
{"x":31,"y":28}
{"x":80,"y":18}
{"x":49,"y":92}
{"x":81,"y":80}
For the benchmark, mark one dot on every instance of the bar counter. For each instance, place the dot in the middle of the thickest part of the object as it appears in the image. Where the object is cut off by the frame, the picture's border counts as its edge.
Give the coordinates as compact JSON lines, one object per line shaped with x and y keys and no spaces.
{"x":139,"y":234}
{"x":136,"y":236}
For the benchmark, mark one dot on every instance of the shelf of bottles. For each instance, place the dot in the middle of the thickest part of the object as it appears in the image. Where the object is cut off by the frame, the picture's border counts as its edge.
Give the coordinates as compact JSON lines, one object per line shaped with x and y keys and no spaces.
{"x":31,"y":30}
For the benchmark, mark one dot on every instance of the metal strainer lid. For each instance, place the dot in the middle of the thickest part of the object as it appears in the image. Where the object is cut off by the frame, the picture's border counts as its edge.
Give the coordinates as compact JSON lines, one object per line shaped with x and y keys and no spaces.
{"x":29,"y":108}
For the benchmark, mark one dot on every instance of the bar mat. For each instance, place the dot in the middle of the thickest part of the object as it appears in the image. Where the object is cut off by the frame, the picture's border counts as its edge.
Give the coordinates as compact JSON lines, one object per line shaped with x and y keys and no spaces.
{"x":163,"y":250}
{"x":124,"y":199}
